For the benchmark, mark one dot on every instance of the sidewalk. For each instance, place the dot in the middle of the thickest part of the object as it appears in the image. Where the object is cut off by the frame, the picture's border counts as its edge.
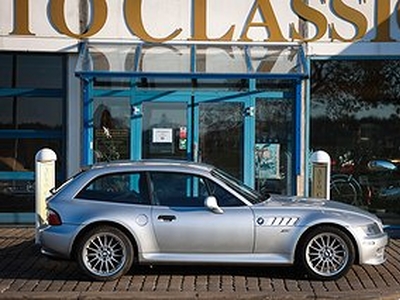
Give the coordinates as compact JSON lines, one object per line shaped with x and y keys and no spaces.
{"x":26,"y":274}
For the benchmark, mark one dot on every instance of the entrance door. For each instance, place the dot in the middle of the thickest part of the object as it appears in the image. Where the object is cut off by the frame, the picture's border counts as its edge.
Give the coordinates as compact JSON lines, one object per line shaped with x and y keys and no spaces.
{"x":164,"y":131}
{"x":161,"y":126}
{"x":224,"y":134}
{"x":216,"y":129}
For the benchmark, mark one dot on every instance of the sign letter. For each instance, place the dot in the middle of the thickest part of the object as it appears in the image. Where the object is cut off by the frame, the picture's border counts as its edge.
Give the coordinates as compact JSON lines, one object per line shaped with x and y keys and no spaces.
{"x":383,"y":21}
{"x":200,"y":24}
{"x":133,"y":19}
{"x":269,"y":22}
{"x":308,"y":14}
{"x":352,"y":16}
{"x":57,"y":18}
{"x":21,"y":18}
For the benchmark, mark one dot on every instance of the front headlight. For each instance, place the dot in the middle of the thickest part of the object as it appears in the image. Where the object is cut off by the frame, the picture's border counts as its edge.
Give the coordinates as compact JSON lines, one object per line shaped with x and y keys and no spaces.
{"x":371,"y":229}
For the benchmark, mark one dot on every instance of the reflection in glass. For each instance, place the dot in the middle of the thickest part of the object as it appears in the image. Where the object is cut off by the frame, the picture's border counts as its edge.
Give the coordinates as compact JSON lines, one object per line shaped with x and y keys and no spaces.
{"x":355,"y":117}
{"x":17,"y":195}
{"x":111,"y":122}
{"x":19,"y":154}
{"x":191,"y":59}
{"x":47,"y":70}
{"x":164,"y":132}
{"x":221,"y":136}
{"x":274,"y":136}
{"x":6,"y":62}
{"x":31,"y":113}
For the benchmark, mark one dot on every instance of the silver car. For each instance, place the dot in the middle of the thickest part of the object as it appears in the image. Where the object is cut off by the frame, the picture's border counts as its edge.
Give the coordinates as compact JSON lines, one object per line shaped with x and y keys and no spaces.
{"x":168,"y":212}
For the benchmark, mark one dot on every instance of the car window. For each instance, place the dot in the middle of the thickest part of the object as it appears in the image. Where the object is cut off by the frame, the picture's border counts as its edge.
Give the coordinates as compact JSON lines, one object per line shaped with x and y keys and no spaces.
{"x":224,"y":198}
{"x":120,"y":187}
{"x":178,"y":189}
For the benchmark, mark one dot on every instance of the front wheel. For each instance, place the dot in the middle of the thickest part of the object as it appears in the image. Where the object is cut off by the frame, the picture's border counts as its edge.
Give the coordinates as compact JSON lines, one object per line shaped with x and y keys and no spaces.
{"x":105,"y":253}
{"x":326,"y":253}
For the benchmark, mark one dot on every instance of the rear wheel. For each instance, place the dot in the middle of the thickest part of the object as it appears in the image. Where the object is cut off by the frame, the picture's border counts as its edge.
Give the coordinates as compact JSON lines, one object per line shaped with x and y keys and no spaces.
{"x":105,"y":253}
{"x":326,"y":253}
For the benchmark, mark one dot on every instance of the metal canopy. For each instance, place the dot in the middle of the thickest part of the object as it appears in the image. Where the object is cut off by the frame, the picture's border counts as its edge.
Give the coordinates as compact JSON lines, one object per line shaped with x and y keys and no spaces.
{"x":191,"y":60}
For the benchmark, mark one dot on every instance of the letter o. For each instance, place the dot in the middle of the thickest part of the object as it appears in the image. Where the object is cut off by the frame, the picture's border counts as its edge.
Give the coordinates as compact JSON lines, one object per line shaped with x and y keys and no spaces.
{"x":98,"y":19}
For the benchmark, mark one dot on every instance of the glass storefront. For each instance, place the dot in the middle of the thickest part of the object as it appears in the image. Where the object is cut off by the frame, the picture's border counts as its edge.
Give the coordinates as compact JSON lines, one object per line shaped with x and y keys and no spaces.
{"x":32,"y":99}
{"x":355,"y":117}
{"x":232,"y":106}
{"x":249,"y":136}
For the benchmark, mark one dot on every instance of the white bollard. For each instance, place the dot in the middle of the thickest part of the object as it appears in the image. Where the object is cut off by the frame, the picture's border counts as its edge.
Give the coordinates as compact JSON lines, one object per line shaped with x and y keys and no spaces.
{"x":45,"y":179}
{"x":321,"y":174}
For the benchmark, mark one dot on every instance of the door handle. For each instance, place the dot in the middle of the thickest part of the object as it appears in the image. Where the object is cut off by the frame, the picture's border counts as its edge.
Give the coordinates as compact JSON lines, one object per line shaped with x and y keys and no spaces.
{"x":166,"y":218}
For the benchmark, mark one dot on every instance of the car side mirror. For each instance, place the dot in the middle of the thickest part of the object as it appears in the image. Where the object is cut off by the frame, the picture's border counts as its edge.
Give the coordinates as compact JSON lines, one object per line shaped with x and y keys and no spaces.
{"x":212,"y":205}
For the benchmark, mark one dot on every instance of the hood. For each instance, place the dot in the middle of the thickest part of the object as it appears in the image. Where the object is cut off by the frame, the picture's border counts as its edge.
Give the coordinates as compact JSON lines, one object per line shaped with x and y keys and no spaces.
{"x":315,"y":203}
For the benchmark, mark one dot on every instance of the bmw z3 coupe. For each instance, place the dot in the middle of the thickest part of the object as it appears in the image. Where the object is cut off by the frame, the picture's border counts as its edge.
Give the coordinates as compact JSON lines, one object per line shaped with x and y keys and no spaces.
{"x":115,"y":215}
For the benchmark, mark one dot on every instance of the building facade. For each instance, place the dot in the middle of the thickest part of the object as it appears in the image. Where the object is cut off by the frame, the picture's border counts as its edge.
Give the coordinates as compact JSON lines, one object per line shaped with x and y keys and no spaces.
{"x":251,"y":86}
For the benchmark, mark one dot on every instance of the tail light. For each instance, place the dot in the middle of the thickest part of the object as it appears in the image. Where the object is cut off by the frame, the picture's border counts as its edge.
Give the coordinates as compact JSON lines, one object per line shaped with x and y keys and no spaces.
{"x":53,"y":218}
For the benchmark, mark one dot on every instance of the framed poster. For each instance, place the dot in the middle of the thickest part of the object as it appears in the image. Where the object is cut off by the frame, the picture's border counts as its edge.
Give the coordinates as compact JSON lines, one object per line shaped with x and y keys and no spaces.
{"x":267,"y":161}
{"x":162,"y":135}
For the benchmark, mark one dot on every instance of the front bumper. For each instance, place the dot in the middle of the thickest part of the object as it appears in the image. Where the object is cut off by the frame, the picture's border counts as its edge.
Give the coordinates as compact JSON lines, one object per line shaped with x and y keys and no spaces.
{"x":373,"y":249}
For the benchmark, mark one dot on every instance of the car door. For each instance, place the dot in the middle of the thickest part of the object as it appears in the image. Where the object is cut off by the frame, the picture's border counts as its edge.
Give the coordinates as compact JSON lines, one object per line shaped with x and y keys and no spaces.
{"x":182,"y":223}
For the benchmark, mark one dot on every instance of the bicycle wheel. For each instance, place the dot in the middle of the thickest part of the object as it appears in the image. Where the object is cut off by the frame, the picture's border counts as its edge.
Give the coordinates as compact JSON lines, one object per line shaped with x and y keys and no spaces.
{"x":345,"y":189}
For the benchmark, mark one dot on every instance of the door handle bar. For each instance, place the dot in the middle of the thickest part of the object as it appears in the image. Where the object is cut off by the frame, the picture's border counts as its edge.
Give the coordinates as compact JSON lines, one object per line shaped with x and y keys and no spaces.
{"x":167,"y":218}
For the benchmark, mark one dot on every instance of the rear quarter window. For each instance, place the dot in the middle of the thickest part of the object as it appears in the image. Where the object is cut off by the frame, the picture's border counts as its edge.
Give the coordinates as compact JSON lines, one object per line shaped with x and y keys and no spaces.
{"x":120,"y":187}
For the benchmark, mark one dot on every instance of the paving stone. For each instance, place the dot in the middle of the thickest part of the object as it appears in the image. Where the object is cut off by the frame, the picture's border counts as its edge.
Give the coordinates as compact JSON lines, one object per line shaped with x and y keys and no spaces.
{"x":25,"y":273}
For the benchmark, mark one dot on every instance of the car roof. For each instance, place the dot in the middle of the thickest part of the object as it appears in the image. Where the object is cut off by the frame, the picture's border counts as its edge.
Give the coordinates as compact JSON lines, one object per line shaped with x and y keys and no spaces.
{"x":152,"y":164}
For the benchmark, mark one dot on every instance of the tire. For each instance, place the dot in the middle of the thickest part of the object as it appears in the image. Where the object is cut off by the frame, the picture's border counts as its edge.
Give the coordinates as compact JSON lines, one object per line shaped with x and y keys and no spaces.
{"x":105,"y":253}
{"x":326,"y":253}
{"x":346,"y":190}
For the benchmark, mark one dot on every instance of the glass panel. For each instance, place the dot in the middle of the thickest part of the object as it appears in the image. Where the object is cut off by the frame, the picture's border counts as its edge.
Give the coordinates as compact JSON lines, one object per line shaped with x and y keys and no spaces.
{"x":175,"y":189}
{"x":6,"y":113}
{"x":111,"y":129}
{"x":224,"y":198}
{"x":165,"y":59}
{"x":17,"y":157}
{"x":221,"y":136}
{"x":19,"y":154}
{"x":275,"y":60}
{"x":180,"y":59}
{"x":356,"y":119}
{"x":274,"y":138}
{"x":17,"y":195}
{"x":31,"y":113}
{"x":220,"y":59}
{"x":164,"y":132}
{"x":6,"y":62}
{"x":47,"y":69}
{"x":107,"y":57}
{"x":123,"y":187}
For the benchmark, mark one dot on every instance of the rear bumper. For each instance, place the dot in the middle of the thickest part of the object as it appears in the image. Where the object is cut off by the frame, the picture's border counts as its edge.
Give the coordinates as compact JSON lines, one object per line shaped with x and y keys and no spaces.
{"x":57,"y":240}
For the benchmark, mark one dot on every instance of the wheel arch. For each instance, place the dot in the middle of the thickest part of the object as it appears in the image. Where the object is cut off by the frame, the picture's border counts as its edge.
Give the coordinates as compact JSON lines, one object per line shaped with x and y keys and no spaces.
{"x":327,"y":224}
{"x":90,"y":226}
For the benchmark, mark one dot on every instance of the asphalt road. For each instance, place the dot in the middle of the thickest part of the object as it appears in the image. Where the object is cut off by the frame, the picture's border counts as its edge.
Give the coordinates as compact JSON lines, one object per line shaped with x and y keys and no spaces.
{"x":26,"y":274}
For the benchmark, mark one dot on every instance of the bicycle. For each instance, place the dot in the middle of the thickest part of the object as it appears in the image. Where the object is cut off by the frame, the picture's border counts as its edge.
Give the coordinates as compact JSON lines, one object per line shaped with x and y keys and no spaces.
{"x":348,"y":185}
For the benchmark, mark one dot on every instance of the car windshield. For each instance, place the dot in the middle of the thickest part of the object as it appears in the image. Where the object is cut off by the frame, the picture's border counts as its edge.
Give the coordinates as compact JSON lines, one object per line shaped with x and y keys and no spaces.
{"x":250,"y":194}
